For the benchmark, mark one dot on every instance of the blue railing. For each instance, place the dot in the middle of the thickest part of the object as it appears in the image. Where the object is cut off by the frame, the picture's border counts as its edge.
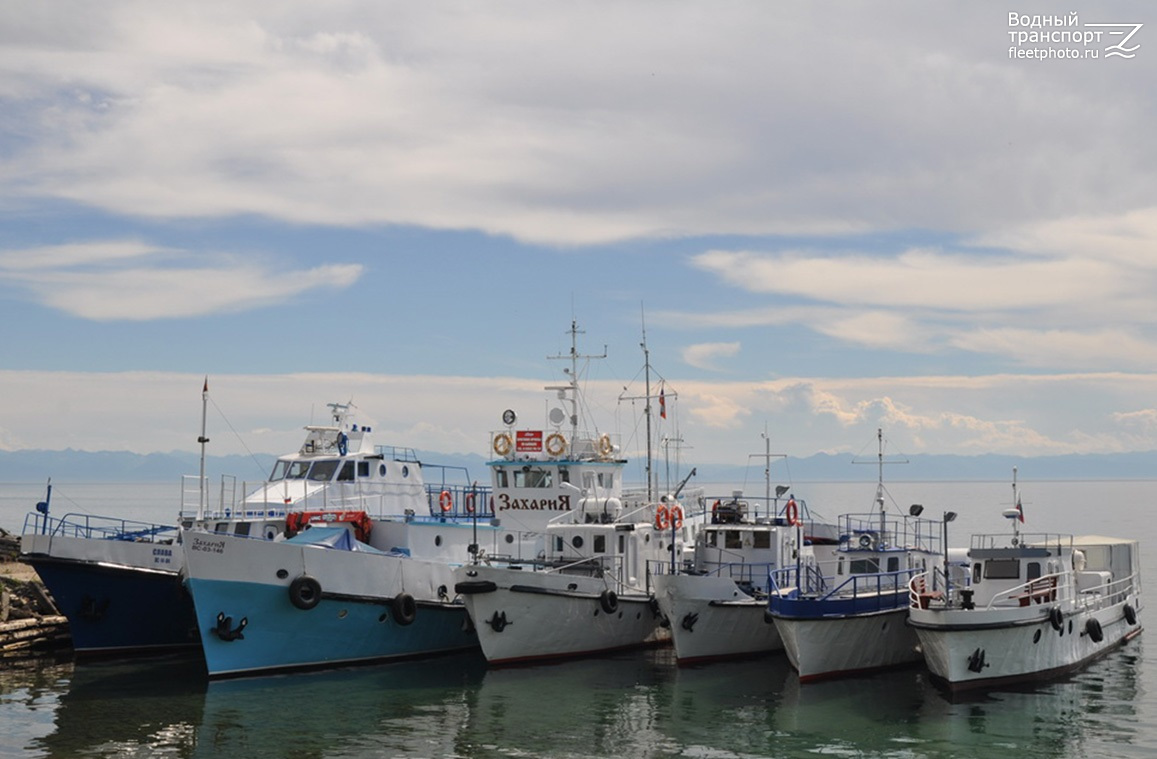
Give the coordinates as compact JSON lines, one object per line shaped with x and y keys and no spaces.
{"x":98,"y":527}
{"x":810,"y":596}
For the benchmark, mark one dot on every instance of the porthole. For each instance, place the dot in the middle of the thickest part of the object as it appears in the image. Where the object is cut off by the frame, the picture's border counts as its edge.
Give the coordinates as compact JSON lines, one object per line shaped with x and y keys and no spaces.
{"x":509,"y":538}
{"x":381,"y":470}
{"x":438,"y":540}
{"x":342,"y":614}
{"x":1036,"y":637}
{"x":578,"y":541}
{"x":405,"y":471}
{"x":282,"y":574}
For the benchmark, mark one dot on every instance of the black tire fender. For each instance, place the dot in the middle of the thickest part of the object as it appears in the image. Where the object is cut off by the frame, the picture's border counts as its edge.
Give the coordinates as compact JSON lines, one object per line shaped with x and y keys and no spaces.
{"x":405,"y":609}
{"x":305,"y":592}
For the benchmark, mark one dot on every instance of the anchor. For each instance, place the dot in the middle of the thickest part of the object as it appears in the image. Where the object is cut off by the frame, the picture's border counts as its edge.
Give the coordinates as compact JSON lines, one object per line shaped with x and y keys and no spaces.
{"x":976,"y":661}
{"x":498,"y":622}
{"x":223,"y":631}
{"x":91,"y":610}
{"x":689,"y":621}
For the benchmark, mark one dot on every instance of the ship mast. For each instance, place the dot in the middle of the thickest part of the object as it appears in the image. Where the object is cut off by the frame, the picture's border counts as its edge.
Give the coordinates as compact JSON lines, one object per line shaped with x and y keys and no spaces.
{"x":767,"y":456}
{"x":203,"y":440}
{"x":572,"y":387}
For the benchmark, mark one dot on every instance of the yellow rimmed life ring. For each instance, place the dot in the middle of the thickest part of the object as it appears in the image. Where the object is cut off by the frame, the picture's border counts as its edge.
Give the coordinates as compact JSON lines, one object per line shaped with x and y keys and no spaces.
{"x":555,"y":444}
{"x":502,"y":444}
{"x":606,"y":447}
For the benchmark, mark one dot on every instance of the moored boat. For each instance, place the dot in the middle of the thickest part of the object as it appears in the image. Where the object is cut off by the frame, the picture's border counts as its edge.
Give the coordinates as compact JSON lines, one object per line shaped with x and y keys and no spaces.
{"x":119,"y":582}
{"x":1026,"y":607}
{"x":847,"y":615}
{"x":584,"y":591}
{"x":716,"y":602}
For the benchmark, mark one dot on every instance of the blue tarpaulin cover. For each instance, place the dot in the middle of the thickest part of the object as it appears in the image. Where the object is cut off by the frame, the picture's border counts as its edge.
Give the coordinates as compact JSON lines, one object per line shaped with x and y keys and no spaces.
{"x":338,"y":538}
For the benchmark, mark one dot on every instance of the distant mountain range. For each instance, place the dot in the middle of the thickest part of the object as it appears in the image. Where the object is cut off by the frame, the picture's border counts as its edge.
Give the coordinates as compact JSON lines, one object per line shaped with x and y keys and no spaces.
{"x":31,"y":466}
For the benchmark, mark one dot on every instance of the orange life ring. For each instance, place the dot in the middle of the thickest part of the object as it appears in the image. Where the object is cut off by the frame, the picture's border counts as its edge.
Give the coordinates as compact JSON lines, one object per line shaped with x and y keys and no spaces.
{"x":662,"y":517}
{"x":676,"y":516}
{"x":792,"y":513}
{"x":445,"y":500}
{"x":470,"y":503}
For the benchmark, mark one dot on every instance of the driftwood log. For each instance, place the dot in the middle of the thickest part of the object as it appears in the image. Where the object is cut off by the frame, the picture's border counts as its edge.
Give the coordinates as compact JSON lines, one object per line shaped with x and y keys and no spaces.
{"x":30,"y":623}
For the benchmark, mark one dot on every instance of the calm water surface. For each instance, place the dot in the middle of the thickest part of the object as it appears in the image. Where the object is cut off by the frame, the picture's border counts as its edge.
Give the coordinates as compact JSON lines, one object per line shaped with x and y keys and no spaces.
{"x":630,"y":705}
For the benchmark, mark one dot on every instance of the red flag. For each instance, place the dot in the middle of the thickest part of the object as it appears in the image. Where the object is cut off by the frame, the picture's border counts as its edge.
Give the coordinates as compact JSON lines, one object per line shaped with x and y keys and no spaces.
{"x":662,"y":404}
{"x":1020,"y":510}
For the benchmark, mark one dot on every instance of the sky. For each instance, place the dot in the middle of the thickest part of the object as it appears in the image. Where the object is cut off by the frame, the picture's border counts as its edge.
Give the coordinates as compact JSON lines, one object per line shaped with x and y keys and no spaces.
{"x":823,"y":220}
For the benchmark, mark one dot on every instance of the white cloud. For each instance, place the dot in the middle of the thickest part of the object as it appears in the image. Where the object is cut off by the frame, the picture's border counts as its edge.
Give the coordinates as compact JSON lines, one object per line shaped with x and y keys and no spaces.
{"x":1090,"y":349}
{"x":502,"y":119}
{"x":131,"y":281}
{"x":1070,"y":306}
{"x":704,"y":355}
{"x":1018,"y":414}
{"x":917,"y":278}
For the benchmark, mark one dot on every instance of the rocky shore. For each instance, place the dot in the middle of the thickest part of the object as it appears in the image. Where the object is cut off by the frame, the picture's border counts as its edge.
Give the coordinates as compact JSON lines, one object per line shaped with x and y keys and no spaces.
{"x":30,"y":623}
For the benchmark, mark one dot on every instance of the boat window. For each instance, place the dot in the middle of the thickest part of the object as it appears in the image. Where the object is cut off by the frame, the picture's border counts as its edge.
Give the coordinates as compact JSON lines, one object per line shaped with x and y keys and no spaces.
{"x":840,"y":566}
{"x":222,"y":528}
{"x":1002,"y":569}
{"x":363,"y":469}
{"x":733,"y":539}
{"x":279,"y":470}
{"x":501,"y":480}
{"x":710,"y":538}
{"x":893,"y":563}
{"x":533,"y":478}
{"x":762,"y":539}
{"x":1032,"y":570}
{"x":297,"y":470}
{"x":976,"y":572}
{"x":323,"y":471}
{"x":606,"y":479}
{"x":864,"y":566}
{"x":622,"y":544}
{"x":347,"y":472}
{"x":564,"y":474}
{"x":600,"y":544}
{"x":241,"y":529}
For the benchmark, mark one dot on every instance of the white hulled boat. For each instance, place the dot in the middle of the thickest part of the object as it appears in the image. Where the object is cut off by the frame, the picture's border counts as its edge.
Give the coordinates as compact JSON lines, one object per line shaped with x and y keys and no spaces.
{"x":716,"y":602}
{"x":585,"y":590}
{"x":1026,"y":606}
{"x":847,"y":615}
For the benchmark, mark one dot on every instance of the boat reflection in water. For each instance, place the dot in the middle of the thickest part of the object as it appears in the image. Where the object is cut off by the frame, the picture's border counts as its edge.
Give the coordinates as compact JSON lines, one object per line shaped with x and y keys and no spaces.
{"x":635,"y":704}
